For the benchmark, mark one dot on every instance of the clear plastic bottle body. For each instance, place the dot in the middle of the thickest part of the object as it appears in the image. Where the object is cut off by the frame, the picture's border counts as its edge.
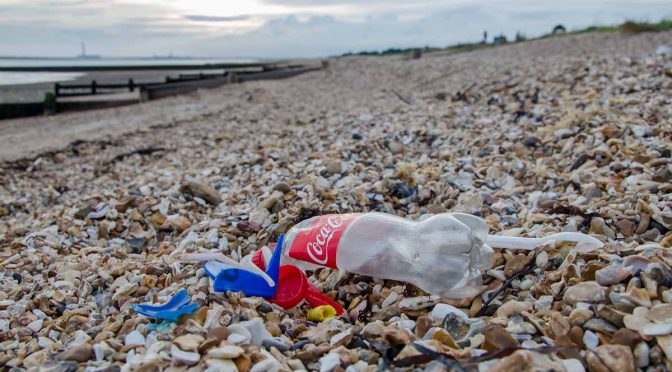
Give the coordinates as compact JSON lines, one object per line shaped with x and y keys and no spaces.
{"x":443,"y":254}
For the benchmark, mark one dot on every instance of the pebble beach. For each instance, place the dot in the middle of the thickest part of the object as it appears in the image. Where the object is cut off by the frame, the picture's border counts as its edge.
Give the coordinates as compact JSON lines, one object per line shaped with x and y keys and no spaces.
{"x":571,"y":133}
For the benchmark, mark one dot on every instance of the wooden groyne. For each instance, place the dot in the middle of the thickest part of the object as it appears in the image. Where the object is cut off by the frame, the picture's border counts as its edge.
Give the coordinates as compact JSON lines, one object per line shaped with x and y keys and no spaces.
{"x":78,"y":97}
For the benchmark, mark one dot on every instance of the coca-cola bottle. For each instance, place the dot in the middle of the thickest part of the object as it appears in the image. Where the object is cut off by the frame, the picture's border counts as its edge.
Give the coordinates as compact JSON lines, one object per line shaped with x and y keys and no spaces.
{"x":444,"y":254}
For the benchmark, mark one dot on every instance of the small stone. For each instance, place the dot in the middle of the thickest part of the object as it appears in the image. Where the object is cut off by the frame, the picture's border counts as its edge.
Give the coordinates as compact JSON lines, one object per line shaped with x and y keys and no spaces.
{"x":221,"y":365}
{"x":202,"y":191}
{"x":257,"y":329}
{"x":614,"y":313}
{"x":445,"y":338}
{"x":660,"y":313}
{"x":497,"y":338}
{"x":440,"y":311}
{"x":585,"y":292}
{"x":329,"y":362}
{"x":626,"y":227}
{"x":79,"y":353}
{"x":664,"y":174}
{"x":238,"y":334}
{"x":657,"y":329}
{"x":188,"y":342}
{"x":177,"y":224}
{"x":341,"y":338}
{"x":580,"y":316}
{"x":133,"y":339}
{"x":36,"y":325}
{"x":641,"y":353}
{"x":422,"y":324}
{"x":635,"y":322}
{"x":659,"y":273}
{"x":373,"y":329}
{"x":515,"y":264}
{"x":625,"y":337}
{"x":611,"y":275}
{"x":531,"y":141}
{"x":599,"y":227}
{"x":542,"y":260}
{"x":219,"y":333}
{"x":590,"y":340}
{"x":248,"y":226}
{"x":226,"y":352}
{"x":273,"y":329}
{"x":637,"y":297}
{"x":513,"y":308}
{"x":417,"y":303}
{"x":333,"y":166}
{"x":259,"y":216}
{"x":282,"y":187}
{"x":608,"y":358}
{"x":275,"y":197}
{"x":558,"y":324}
{"x":601,"y":326}
{"x":271,"y":342}
{"x":184,"y":357}
{"x":461,"y":328}
{"x":665,"y":343}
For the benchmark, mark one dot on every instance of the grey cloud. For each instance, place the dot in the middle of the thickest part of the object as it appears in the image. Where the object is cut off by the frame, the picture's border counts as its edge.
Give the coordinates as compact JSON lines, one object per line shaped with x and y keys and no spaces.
{"x":206,"y":18}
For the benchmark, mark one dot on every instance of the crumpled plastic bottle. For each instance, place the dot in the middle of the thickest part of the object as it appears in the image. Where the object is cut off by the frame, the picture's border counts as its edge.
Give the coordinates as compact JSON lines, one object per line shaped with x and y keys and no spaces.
{"x":444,"y":255}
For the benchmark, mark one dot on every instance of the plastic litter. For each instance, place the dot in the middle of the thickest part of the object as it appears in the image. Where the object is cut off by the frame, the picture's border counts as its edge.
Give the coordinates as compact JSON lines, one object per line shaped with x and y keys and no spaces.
{"x":321,"y":313}
{"x":294,"y":287}
{"x":444,"y":254}
{"x":248,"y":278}
{"x":177,"y":306}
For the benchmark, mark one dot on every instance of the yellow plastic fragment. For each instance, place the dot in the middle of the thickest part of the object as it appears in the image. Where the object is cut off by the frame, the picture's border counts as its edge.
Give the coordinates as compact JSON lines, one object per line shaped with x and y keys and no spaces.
{"x":321,"y":313}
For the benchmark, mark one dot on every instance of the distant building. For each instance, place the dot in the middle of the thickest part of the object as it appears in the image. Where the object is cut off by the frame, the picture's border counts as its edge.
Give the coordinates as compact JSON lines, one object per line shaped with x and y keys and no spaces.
{"x":559,"y":29}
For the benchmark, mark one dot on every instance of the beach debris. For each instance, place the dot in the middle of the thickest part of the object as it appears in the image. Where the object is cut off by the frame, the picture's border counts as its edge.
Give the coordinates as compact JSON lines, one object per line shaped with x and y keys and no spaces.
{"x":178,"y":305}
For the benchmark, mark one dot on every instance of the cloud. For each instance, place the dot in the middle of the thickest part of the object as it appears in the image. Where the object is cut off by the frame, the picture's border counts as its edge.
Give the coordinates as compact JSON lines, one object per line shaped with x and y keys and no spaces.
{"x":313,"y":28}
{"x":206,"y":18}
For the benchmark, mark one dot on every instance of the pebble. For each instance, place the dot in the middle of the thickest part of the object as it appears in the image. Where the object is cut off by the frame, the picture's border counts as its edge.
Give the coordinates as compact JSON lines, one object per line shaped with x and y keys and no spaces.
{"x":79,"y":353}
{"x":461,"y":328}
{"x":226,"y":352}
{"x":641,"y":354}
{"x":585,"y":292}
{"x":329,"y":362}
{"x":440,"y":311}
{"x":611,"y":358}
{"x":184,"y":357}
{"x":612,"y":275}
{"x":134,"y":338}
{"x":189,"y":342}
{"x":239,"y":334}
{"x":658,"y":329}
{"x":590,"y":339}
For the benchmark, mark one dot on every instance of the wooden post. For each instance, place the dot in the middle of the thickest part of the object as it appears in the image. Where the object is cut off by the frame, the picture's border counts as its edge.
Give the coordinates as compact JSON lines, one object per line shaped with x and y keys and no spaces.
{"x":93,"y":87}
{"x":57,"y":88}
{"x":131,"y":85}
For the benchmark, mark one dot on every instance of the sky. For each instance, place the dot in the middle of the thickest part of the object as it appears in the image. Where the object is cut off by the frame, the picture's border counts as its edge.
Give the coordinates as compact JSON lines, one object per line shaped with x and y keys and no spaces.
{"x":288,"y":28}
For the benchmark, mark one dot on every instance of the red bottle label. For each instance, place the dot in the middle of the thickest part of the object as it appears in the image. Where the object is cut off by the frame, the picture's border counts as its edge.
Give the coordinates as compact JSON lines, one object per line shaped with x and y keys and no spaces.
{"x":318,"y":243}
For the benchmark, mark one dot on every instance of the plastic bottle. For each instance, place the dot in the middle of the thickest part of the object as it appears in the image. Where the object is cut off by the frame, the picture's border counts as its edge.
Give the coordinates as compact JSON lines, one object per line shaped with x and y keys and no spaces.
{"x":444,"y":254}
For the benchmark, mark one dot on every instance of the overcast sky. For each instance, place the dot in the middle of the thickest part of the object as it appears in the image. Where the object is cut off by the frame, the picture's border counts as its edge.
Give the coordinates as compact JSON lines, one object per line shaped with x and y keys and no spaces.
{"x":287,"y":28}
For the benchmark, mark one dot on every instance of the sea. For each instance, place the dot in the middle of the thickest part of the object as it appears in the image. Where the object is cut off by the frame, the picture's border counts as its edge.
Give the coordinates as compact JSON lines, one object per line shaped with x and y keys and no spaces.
{"x":18,"y":78}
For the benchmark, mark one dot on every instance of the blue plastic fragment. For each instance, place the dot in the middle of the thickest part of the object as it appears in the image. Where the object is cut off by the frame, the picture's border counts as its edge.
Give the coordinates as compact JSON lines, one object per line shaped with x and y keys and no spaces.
{"x":248,"y":282}
{"x":177,"y":306}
